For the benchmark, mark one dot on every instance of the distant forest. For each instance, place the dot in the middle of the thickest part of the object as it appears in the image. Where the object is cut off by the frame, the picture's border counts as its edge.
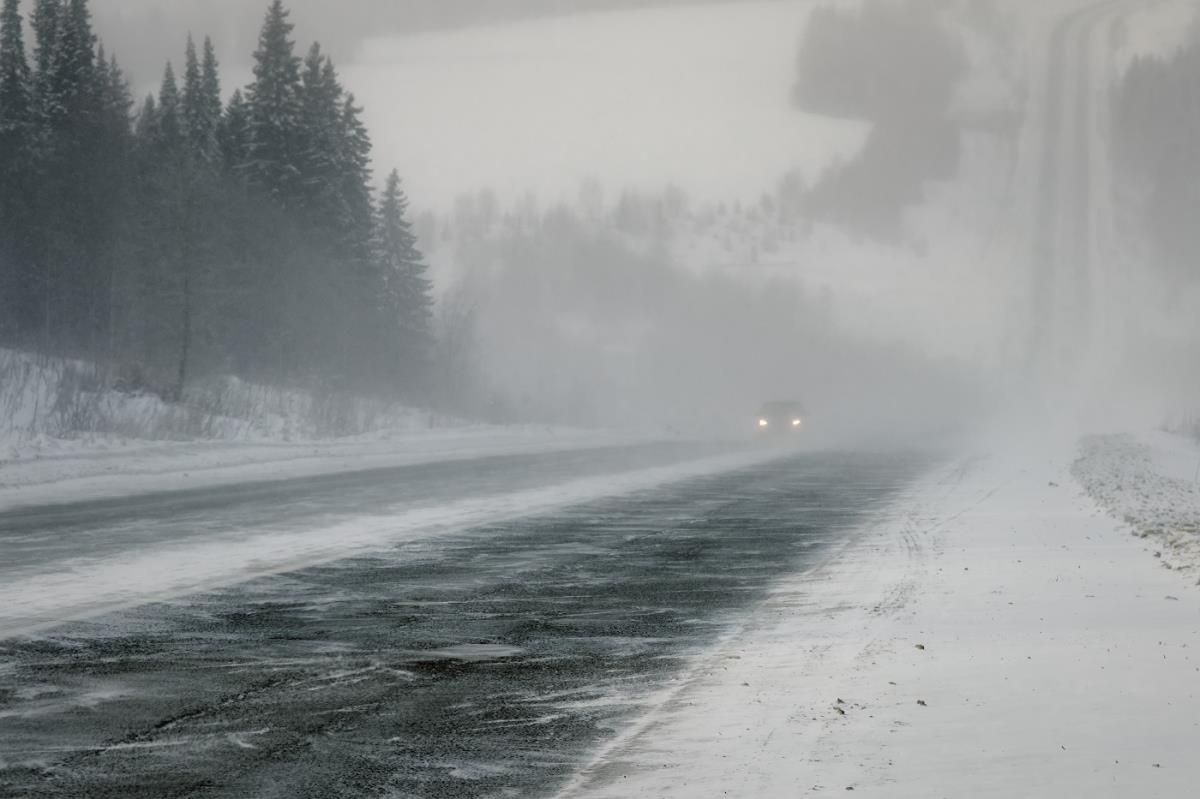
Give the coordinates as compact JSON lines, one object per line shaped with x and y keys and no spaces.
{"x":182,"y":235}
{"x":1157,"y":143}
{"x":896,"y":66}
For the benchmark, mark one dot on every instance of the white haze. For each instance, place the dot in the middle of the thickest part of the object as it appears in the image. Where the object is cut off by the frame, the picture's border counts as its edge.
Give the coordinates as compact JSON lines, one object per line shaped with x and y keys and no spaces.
{"x":697,"y":98}
{"x":929,"y":332}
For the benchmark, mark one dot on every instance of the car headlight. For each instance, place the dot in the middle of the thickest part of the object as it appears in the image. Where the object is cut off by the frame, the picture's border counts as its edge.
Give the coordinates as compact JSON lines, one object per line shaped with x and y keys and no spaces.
{"x":797,"y":423}
{"x":763,"y":423}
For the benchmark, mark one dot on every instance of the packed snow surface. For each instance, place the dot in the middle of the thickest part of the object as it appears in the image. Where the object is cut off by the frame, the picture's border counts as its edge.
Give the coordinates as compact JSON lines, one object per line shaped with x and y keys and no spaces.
{"x":994,"y":635}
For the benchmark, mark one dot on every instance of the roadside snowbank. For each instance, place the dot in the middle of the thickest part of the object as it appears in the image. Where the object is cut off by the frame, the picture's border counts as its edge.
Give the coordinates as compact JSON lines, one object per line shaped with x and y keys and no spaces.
{"x":52,"y":404}
{"x":65,"y":436}
{"x":1149,"y":481}
{"x":993,"y":636}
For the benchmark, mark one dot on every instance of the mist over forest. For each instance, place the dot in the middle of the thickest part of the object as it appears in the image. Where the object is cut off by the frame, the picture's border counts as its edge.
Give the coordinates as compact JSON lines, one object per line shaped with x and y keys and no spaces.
{"x":142,"y":30}
{"x":211,"y":230}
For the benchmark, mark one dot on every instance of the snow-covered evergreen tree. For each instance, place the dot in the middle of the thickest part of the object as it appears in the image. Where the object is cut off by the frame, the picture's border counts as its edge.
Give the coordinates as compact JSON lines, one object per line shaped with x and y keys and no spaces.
{"x":234,"y":132}
{"x":407,"y":300}
{"x":353,"y":179}
{"x":195,"y":236}
{"x":70,"y":81}
{"x":170,"y":133}
{"x":16,"y":87}
{"x":273,"y":101}
{"x":46,"y":16}
{"x":209,"y":105}
{"x":16,"y":129}
{"x":201,"y":103}
{"x":320,"y":128}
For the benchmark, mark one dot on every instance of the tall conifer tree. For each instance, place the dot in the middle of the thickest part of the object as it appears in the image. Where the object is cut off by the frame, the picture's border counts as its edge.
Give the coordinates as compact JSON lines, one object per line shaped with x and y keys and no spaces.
{"x":274,"y":110}
{"x":408,"y":296}
{"x":16,"y":87}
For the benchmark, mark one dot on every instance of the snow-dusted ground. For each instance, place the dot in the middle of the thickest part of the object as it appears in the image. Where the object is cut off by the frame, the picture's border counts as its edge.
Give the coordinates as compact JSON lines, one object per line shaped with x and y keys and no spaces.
{"x":64,"y":437}
{"x":1150,"y":482}
{"x":995,"y":634}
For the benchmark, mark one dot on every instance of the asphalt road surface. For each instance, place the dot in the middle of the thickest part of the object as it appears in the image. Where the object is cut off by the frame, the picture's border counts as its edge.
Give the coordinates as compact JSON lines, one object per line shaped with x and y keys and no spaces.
{"x":485,"y":663}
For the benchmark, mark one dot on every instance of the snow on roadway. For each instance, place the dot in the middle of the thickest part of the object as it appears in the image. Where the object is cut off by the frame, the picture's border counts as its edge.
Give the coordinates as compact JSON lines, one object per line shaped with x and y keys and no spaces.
{"x":86,"y":587}
{"x":90,"y":473}
{"x":996,"y":635}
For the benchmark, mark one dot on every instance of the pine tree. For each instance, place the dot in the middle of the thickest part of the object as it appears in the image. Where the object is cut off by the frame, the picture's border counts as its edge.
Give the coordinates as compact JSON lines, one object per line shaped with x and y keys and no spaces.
{"x":116,"y":101}
{"x":170,"y":130}
{"x":274,"y":110}
{"x":146,"y":122}
{"x":210,"y":103}
{"x":353,"y":177}
{"x":46,"y":16}
{"x":16,"y":87}
{"x":408,"y":302}
{"x":190,"y":101}
{"x":113,"y":172}
{"x":16,"y":129}
{"x":201,"y":103}
{"x":71,"y":77}
{"x":320,"y":136}
{"x":70,"y":206}
{"x":233,"y":133}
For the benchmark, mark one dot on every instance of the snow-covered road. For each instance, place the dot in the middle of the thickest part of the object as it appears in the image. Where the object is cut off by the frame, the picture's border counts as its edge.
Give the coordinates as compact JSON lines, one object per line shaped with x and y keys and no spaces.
{"x":94,"y":470}
{"x":996,"y":635}
{"x":71,"y":561}
{"x":484,"y":663}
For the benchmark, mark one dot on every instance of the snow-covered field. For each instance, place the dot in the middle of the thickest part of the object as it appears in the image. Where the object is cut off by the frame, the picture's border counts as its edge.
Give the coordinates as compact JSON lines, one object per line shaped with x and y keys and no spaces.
{"x":994,"y":635}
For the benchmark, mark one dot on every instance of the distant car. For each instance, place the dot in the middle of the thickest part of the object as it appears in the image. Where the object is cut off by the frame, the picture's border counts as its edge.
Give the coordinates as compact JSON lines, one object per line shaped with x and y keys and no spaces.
{"x":785,"y":417}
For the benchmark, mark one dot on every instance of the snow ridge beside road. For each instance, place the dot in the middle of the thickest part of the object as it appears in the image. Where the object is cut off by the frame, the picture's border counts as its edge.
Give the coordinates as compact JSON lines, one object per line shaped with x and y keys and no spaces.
{"x":1149,"y":482}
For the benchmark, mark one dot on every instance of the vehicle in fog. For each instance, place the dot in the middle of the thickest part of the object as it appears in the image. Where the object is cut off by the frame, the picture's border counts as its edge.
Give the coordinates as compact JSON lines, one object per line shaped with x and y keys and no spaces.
{"x":782,"y":417}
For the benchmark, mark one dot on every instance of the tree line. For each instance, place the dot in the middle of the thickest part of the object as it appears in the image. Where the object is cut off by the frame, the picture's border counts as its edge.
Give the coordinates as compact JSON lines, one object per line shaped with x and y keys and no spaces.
{"x":1157,"y":146}
{"x":894,"y":65}
{"x":191,"y":235}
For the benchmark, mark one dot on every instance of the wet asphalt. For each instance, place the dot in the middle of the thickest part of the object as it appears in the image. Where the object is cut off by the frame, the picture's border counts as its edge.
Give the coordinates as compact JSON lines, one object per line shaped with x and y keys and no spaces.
{"x":484,"y":664}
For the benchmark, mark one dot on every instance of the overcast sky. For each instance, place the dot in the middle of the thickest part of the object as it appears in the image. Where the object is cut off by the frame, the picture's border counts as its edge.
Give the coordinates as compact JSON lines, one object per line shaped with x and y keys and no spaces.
{"x":146,"y":33}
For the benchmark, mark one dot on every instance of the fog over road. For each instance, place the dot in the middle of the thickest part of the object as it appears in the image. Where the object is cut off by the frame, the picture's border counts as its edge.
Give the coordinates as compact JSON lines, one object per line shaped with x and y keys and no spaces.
{"x":491,"y":652}
{"x":488,"y":661}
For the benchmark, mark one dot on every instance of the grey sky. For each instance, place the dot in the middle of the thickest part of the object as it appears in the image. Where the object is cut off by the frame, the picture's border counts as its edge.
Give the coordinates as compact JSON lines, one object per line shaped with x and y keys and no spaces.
{"x":146,"y":33}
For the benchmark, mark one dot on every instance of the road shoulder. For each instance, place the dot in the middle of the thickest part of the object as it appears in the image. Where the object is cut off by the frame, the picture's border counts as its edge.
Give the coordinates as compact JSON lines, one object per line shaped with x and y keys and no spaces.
{"x":995,"y":634}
